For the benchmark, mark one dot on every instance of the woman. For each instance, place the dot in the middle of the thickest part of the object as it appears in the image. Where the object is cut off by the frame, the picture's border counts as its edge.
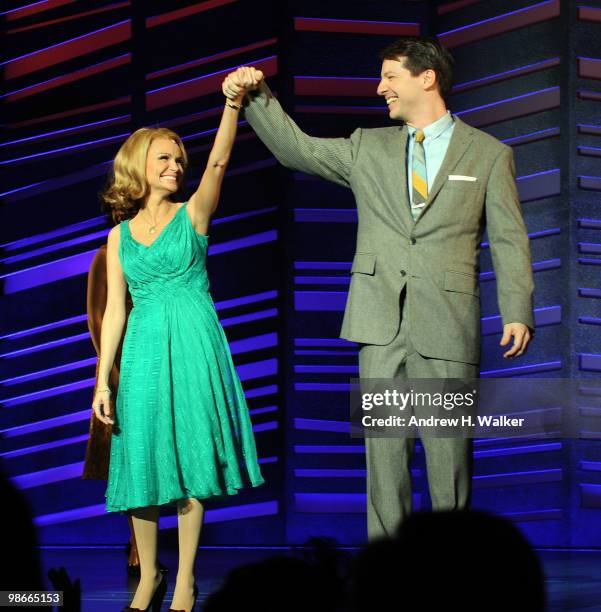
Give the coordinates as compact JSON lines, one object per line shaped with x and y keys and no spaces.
{"x":181,"y":428}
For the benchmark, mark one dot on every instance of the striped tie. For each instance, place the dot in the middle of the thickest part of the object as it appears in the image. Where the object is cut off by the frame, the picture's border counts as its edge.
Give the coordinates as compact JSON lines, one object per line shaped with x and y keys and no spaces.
{"x":418,"y":176}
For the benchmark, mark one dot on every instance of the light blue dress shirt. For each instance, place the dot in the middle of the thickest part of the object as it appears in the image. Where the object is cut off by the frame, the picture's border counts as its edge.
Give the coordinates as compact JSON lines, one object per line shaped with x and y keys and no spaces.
{"x":437,"y":136}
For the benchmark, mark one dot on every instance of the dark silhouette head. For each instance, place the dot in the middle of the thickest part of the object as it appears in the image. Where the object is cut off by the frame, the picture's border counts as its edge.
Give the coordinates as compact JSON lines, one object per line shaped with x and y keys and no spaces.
{"x":313,"y":578}
{"x":451,"y":560}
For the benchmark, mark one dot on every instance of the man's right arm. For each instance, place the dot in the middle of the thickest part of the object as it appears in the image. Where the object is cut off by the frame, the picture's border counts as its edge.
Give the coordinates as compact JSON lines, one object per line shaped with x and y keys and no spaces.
{"x":329,"y":158}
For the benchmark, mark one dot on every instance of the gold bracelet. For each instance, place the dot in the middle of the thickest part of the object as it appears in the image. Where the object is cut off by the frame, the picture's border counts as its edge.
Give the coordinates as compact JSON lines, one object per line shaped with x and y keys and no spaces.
{"x":228,"y":103}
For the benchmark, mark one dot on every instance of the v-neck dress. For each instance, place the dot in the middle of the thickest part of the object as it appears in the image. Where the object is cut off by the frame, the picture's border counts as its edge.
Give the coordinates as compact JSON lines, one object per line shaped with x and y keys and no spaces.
{"x":182,"y":427}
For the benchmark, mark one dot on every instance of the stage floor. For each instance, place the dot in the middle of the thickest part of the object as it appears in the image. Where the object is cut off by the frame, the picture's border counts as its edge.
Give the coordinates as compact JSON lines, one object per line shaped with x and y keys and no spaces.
{"x":573,"y":577}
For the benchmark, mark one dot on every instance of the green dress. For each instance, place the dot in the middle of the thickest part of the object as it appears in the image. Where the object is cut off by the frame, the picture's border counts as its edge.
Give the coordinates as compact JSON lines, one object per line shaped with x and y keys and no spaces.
{"x":182,"y":427}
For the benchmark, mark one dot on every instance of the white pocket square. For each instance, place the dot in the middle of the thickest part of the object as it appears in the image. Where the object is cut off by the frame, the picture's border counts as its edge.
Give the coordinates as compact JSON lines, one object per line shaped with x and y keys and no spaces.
{"x":460,"y":177}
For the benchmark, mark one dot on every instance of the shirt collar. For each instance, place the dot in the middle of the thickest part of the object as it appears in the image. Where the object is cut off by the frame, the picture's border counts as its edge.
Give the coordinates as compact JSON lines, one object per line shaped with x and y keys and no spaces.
{"x":435,"y":129}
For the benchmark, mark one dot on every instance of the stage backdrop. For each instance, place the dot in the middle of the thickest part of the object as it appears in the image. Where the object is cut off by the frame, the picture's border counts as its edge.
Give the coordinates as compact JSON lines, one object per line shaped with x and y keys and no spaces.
{"x":79,"y":77}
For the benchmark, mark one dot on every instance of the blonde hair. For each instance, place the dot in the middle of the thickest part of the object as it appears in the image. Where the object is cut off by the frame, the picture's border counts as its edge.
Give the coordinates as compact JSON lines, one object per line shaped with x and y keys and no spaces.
{"x":127,"y":184}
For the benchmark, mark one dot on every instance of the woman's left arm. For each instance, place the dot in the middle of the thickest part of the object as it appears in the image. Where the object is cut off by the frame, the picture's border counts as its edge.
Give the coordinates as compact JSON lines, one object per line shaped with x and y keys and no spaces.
{"x":204,"y":200}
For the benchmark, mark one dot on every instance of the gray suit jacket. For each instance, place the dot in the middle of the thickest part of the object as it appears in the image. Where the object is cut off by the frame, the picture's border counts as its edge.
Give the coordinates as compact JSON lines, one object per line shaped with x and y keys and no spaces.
{"x":436,"y":257}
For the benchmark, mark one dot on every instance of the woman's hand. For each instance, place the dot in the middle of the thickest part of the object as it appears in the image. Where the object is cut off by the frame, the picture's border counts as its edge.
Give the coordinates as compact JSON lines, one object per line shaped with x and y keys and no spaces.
{"x":102,"y":407}
{"x":237,"y":83}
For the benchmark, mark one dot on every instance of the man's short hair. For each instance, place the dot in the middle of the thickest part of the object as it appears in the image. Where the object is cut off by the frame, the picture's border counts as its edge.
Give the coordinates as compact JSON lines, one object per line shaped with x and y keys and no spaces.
{"x":423,"y":53}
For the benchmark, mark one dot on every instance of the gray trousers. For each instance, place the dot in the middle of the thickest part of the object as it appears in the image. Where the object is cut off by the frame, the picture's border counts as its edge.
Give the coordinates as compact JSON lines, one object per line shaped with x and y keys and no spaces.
{"x":448,"y":460}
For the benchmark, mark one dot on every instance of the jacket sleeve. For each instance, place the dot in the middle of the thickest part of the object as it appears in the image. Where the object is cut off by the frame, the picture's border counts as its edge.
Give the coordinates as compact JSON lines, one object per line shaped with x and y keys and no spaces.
{"x":509,"y":243}
{"x":329,"y":158}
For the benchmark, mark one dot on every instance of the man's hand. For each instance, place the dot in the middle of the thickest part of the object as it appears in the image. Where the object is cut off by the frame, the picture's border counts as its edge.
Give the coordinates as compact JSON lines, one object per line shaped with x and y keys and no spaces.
{"x":522,"y":336}
{"x":244,"y":79}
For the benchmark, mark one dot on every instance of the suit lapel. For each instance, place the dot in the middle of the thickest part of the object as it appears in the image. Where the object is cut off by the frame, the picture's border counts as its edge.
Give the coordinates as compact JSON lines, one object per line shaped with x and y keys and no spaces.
{"x":401,"y":155}
{"x":460,"y":141}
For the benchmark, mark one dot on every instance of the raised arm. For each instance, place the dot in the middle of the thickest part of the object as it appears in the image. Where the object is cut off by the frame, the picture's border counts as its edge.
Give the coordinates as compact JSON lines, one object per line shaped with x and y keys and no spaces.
{"x":329,"y":158}
{"x":204,"y":200}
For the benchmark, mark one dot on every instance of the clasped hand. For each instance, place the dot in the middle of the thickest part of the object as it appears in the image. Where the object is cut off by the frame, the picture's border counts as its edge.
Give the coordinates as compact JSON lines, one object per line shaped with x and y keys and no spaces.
{"x":242,"y":80}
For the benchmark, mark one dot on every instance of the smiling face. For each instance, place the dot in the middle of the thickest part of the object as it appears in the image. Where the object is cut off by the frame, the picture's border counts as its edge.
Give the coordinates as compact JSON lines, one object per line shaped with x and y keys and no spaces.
{"x":402,"y":91}
{"x":164,"y":166}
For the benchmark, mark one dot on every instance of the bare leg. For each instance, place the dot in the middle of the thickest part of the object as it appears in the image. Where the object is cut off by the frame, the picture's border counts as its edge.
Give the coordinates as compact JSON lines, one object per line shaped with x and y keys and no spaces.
{"x":190,"y":514}
{"x":146,"y":527}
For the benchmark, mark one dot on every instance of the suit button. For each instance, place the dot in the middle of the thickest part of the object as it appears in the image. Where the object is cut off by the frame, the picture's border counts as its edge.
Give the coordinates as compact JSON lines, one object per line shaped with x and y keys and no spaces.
{"x":403,"y":273}
{"x":413,"y":240}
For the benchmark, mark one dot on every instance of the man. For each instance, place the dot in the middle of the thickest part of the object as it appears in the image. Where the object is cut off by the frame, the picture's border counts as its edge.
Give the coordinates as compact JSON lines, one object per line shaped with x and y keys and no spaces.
{"x":425,"y":191}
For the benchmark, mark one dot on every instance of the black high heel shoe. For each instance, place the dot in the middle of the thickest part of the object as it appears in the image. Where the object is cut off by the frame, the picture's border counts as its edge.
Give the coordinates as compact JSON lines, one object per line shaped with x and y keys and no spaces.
{"x":193,"y":601}
{"x":157,"y":599}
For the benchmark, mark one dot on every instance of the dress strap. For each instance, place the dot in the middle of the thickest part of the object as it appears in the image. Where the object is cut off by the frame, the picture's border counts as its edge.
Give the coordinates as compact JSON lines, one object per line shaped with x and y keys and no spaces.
{"x":124,"y":232}
{"x":125,"y":227}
